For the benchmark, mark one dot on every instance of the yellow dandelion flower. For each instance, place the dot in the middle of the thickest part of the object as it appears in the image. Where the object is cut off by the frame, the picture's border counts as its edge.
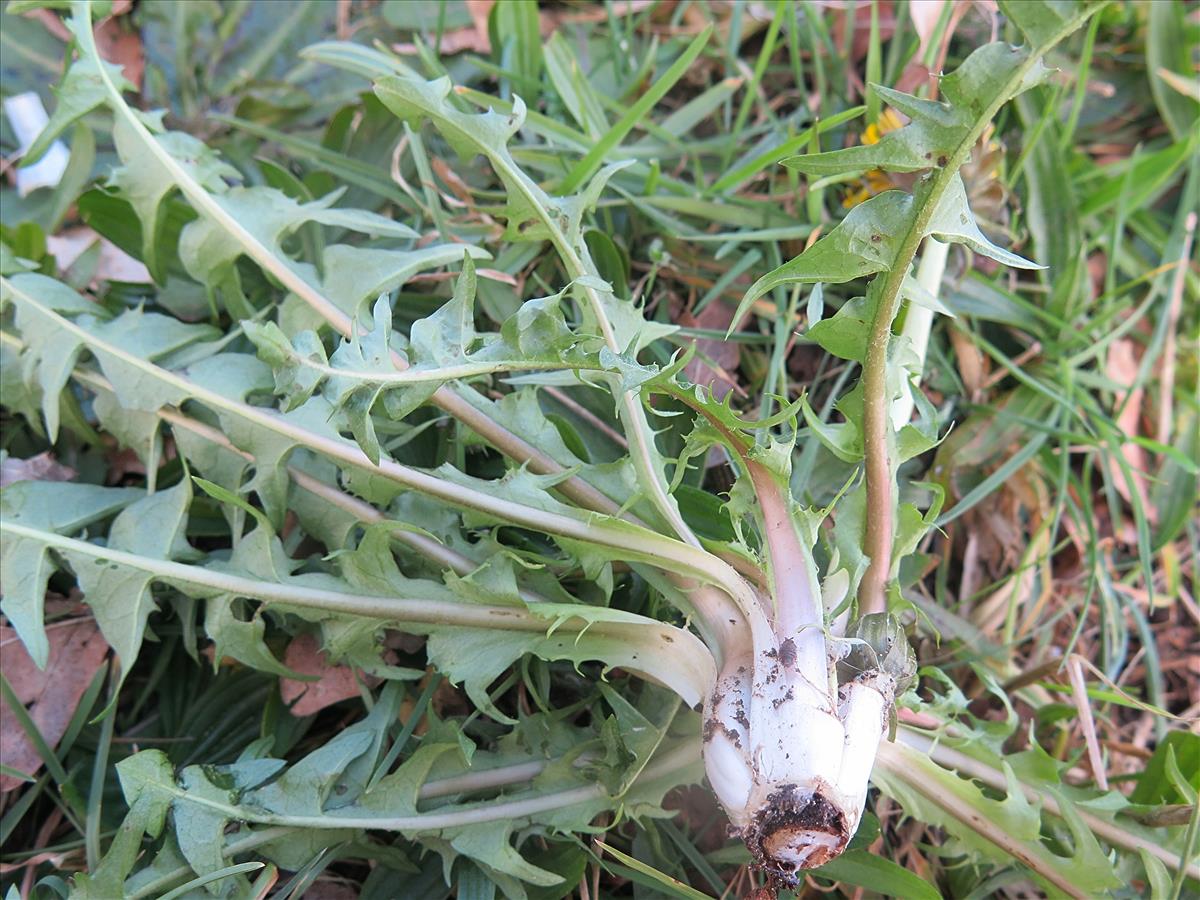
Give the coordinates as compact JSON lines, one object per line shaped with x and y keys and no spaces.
{"x":889,"y":120}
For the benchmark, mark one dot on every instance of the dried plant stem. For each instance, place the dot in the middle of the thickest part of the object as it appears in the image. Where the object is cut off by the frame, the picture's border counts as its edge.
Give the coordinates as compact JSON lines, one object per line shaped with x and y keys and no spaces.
{"x":1086,"y":722}
{"x":1167,"y":376}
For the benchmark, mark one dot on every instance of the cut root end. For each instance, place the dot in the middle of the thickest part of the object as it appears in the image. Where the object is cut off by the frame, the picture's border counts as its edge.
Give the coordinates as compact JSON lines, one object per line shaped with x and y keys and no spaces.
{"x":798,"y":828}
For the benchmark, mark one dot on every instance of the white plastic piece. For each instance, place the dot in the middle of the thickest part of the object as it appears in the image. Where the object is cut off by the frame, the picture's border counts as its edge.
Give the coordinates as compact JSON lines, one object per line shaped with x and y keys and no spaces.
{"x":28,"y":118}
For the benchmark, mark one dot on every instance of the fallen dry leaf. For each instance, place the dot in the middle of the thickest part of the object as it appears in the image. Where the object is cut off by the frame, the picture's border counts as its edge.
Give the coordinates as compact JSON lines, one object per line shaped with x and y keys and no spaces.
{"x":122,"y":45}
{"x":116,"y":43}
{"x":327,"y":889}
{"x":333,"y":685}
{"x":473,"y":38}
{"x":715,"y":360}
{"x":972,"y":364}
{"x":114,"y":263}
{"x":460,"y":40}
{"x":77,"y":651}
{"x":121,"y":464}
{"x":925,"y":15}
{"x":42,"y":467}
{"x":582,"y":14}
{"x":52,"y":23}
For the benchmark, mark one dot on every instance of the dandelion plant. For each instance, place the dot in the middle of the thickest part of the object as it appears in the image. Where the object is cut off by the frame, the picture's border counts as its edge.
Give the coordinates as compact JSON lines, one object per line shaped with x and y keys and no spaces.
{"x":294,"y":417}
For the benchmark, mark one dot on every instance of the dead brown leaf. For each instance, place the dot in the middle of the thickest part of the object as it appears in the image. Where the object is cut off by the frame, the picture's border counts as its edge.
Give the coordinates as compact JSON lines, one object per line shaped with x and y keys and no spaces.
{"x":581,"y":14}
{"x":121,"y":44}
{"x":43,"y":467}
{"x":460,"y":190}
{"x":121,"y":464}
{"x":51,"y":22}
{"x":114,"y":263}
{"x":333,"y":685}
{"x":715,"y":360}
{"x":972,"y":364}
{"x":1121,"y":366}
{"x":479,"y":10}
{"x":460,"y":40}
{"x":925,"y":15}
{"x":473,"y":39}
{"x":77,"y":651}
{"x":327,"y":889}
{"x":116,"y":42}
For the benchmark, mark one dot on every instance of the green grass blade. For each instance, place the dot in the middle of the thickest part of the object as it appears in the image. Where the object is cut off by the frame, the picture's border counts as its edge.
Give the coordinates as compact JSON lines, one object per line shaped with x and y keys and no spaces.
{"x":590,"y":164}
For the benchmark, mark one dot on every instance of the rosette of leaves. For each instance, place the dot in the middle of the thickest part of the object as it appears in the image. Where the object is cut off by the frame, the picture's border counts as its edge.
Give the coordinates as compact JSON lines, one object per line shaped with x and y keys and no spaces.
{"x":516,"y":553}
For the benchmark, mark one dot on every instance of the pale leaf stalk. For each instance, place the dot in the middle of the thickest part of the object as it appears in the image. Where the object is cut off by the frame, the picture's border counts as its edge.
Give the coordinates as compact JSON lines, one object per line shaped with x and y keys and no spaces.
{"x":671,"y":762}
{"x":670,"y":656}
{"x":447,"y":373}
{"x":641,"y":438}
{"x":723,"y":633}
{"x":633,"y":417}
